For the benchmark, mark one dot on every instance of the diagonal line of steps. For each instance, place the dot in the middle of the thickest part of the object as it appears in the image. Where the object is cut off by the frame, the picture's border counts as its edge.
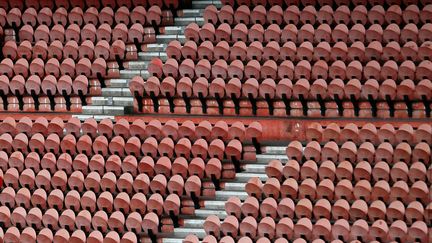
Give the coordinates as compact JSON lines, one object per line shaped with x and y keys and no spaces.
{"x":235,"y":187}
{"x":117,"y":99}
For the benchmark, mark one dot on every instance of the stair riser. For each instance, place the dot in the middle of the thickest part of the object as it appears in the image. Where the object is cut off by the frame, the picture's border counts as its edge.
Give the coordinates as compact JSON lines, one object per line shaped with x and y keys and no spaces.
{"x":175,"y":30}
{"x":129,"y":74}
{"x":194,"y":223}
{"x":166,"y":39}
{"x":183,"y":232}
{"x":145,"y":58}
{"x":156,"y":47}
{"x":103,"y":110}
{"x":184,"y":21}
{"x":188,"y":13}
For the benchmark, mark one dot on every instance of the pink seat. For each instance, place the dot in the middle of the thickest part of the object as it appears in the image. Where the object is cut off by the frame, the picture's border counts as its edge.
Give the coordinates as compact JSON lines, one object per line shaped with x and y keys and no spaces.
{"x":100,"y":221}
{"x":212,"y":226}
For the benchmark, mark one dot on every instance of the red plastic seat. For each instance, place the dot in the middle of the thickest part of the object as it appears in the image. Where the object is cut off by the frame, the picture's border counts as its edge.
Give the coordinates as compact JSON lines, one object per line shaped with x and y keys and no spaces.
{"x":291,"y":169}
{"x":212,"y":226}
{"x":45,"y":235}
{"x":210,"y":14}
{"x":230,"y":226}
{"x":240,"y":33}
{"x":133,"y":222}
{"x":100,"y":221}
{"x":116,"y":223}
{"x":72,"y":198}
{"x":192,"y":32}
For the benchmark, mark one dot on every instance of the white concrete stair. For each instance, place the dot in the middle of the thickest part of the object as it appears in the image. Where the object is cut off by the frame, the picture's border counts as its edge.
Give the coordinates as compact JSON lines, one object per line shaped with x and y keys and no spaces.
{"x":233,"y":188}
{"x":116,"y":99}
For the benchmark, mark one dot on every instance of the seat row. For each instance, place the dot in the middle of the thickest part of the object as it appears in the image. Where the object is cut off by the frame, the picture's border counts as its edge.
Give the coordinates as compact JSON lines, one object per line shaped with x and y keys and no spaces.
{"x":49,"y":86}
{"x":33,"y":163}
{"x":322,"y":229}
{"x":118,"y":146}
{"x":307,"y":32}
{"x":282,"y":108}
{"x":135,"y":34}
{"x":364,"y":152}
{"x":245,"y":239}
{"x":324,"y":15}
{"x":45,"y":104}
{"x":68,"y":4}
{"x":322,"y":2}
{"x":87,"y":49}
{"x":344,"y":189}
{"x":76,"y":201}
{"x":357,"y":51}
{"x":390,"y":71}
{"x":49,"y":166}
{"x":362,"y":170}
{"x":107,"y":183}
{"x":13,"y":234}
{"x":323,"y":208}
{"x":68,"y":67}
{"x":83,"y":220}
{"x":369,"y":132}
{"x":80,"y":16}
{"x":138,"y":128}
{"x":269,"y":90}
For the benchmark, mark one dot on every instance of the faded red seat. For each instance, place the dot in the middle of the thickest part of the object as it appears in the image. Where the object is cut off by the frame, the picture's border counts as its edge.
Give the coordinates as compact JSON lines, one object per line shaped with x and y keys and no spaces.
{"x":205,"y":50}
{"x":291,"y":169}
{"x":295,"y":150}
{"x":12,"y":234}
{"x":193,"y":185}
{"x":230,"y":226}
{"x":212,"y":226}
{"x":100,"y":221}
{"x":133,"y":222}
{"x":192,"y":32}
{"x":72,"y":199}
{"x":303,"y":228}
{"x":210,"y":14}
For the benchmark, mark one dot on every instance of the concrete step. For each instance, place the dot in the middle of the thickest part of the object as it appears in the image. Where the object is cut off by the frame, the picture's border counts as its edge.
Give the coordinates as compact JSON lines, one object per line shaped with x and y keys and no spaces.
{"x":184,"y":21}
{"x":190,"y":12}
{"x":96,"y":117}
{"x":172,"y":240}
{"x":224,"y":195}
{"x":154,"y":47}
{"x":103,"y":110}
{"x":204,"y":213}
{"x":274,"y":149}
{"x":177,"y":29}
{"x":165,"y":39}
{"x":128,"y":74}
{"x":142,"y":63}
{"x":214,"y":205}
{"x":265,"y":158}
{"x":119,"y":83}
{"x":112,"y":101}
{"x":193,"y":223}
{"x":244,"y":177}
{"x":145,"y":58}
{"x":202,"y":4}
{"x":116,"y":92}
{"x":183,"y":232}
{"x":97,"y":101}
{"x":254,"y":168}
{"x":235,"y":186}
